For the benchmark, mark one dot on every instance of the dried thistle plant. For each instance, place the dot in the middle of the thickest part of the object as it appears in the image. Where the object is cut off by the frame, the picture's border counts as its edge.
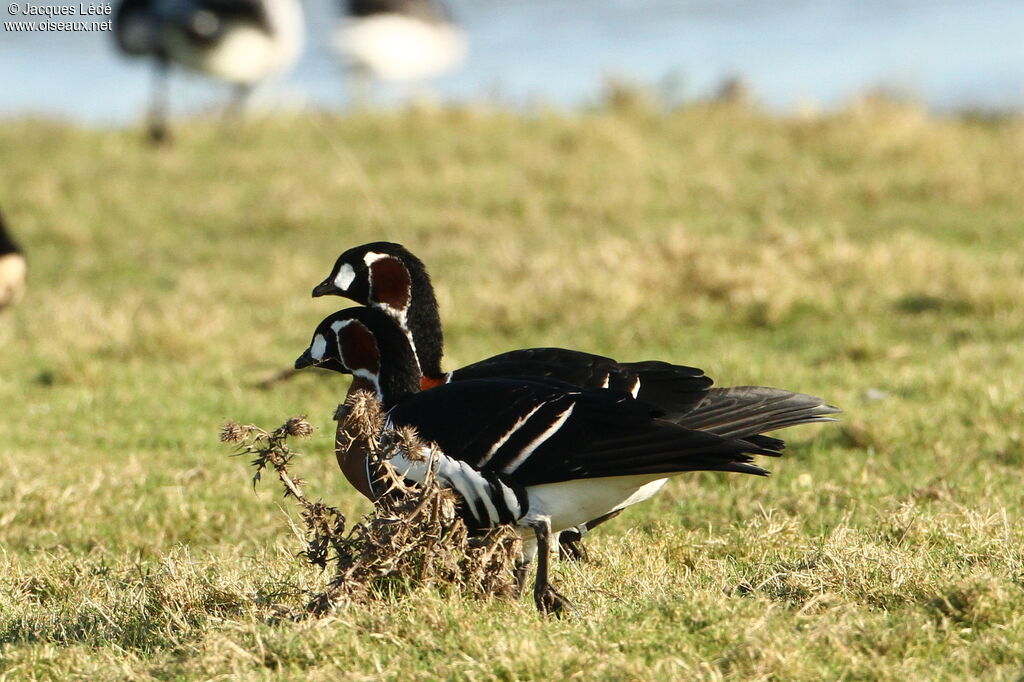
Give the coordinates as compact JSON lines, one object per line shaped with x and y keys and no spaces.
{"x":271,"y":449}
{"x":413,"y":537}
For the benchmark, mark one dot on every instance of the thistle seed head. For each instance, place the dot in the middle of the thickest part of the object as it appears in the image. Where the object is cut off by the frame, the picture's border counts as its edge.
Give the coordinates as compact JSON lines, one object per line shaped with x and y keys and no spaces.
{"x":232,"y":432}
{"x":298,"y":427}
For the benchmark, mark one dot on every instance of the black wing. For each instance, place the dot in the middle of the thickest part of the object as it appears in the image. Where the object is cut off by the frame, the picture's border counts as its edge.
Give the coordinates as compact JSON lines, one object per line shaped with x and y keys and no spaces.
{"x":135,"y":27}
{"x":433,"y":11}
{"x":675,"y":389}
{"x":533,"y":433}
{"x":238,"y":10}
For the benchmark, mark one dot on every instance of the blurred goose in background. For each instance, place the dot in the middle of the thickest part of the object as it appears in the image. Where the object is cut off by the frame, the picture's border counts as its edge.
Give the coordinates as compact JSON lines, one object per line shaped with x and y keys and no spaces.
{"x":400,"y":40}
{"x":242,"y":42}
{"x":12,"y":268}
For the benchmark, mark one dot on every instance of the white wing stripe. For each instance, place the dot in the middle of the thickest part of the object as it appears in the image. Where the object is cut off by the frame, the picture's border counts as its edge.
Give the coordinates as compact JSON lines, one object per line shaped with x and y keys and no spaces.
{"x":636,"y":388}
{"x":504,"y":439}
{"x":539,"y":440}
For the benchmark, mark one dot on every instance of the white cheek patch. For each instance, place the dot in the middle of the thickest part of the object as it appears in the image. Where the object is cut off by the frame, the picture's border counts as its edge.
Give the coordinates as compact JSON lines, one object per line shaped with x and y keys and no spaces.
{"x":344,"y":277}
{"x":319,"y":347}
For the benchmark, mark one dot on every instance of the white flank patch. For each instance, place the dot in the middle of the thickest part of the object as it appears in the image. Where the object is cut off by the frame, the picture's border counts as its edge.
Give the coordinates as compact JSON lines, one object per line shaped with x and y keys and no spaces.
{"x":636,"y":388}
{"x":344,"y":277}
{"x":397,"y":47}
{"x":247,"y":54}
{"x":319,"y":347}
{"x":570,"y":503}
{"x":644,"y":492}
{"x":244,"y":55}
{"x":504,"y":439}
{"x":539,"y":440}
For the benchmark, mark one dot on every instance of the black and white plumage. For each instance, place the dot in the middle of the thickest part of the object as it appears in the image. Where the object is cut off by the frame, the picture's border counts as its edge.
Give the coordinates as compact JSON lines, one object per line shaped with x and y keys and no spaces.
{"x":13,"y":268}
{"x":241,"y":42}
{"x":400,"y":40}
{"x":387,"y":276}
{"x":540,"y":454}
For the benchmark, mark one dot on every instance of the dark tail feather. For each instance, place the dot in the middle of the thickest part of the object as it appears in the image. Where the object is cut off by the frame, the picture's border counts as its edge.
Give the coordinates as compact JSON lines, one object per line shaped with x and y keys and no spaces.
{"x":673,"y":388}
{"x":746,"y":411}
{"x":669,"y":449}
{"x":767,"y":442}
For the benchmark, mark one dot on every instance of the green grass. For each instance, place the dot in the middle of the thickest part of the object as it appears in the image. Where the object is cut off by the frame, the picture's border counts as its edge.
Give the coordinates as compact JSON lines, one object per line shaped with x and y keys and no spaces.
{"x":874,"y":257}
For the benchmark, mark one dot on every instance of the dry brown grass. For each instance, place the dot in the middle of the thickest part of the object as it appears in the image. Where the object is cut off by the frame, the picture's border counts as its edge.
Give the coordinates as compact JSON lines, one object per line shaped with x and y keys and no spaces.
{"x":413,"y":539}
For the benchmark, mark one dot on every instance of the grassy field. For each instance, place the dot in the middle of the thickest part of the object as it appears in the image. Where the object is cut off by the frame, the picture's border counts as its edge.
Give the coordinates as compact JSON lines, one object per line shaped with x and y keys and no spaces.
{"x":874,"y":257}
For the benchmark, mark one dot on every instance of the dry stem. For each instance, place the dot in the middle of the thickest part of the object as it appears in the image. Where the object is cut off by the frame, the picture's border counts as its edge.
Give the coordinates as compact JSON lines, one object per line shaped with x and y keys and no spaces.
{"x":413,"y":538}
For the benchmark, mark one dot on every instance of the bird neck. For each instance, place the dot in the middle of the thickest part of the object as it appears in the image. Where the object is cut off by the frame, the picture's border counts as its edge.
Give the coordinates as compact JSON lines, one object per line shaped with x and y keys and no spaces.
{"x":424,"y":323}
{"x":397,"y":382}
{"x":398,"y":376}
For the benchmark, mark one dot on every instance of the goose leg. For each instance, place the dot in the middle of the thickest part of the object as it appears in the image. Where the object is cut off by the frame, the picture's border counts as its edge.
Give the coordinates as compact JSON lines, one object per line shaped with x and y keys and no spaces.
{"x":360,"y":87}
{"x":157,"y":118}
{"x":548,"y":600}
{"x":570,"y":540}
{"x":570,"y":544}
{"x":239,"y":98}
{"x":522,"y":569}
{"x":522,"y":566}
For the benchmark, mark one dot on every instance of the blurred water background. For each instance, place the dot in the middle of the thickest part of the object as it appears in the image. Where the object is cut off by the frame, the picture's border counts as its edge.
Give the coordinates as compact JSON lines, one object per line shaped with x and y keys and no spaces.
{"x":949,"y":54}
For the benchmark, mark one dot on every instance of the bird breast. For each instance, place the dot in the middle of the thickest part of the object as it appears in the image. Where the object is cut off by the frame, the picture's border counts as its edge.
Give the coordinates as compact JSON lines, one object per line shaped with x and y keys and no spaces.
{"x":12,"y":278}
